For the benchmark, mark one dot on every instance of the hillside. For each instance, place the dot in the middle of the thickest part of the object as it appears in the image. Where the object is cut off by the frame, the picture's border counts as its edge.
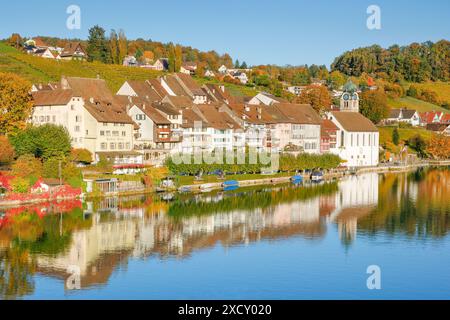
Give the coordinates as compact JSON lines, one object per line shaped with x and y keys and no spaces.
{"x":416,"y":104}
{"x":38,"y":70}
{"x":404,"y":133}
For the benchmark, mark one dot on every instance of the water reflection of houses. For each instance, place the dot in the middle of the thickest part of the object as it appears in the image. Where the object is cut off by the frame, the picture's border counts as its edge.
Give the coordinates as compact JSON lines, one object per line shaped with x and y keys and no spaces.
{"x":128,"y":231}
{"x":357,"y":198}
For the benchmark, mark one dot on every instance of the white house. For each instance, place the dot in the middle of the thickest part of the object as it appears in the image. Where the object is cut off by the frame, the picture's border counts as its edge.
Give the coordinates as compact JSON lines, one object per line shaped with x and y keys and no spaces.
{"x":357,"y":140}
{"x":46,"y":54}
{"x":87,"y":109}
{"x":404,"y":115}
{"x":223,"y":69}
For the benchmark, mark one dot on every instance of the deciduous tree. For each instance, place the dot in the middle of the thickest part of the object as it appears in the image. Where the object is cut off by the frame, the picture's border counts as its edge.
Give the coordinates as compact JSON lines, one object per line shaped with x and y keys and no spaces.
{"x":373,"y":105}
{"x":6,"y":150}
{"x":15,"y":102}
{"x":439,"y":147}
{"x":317,"y":96}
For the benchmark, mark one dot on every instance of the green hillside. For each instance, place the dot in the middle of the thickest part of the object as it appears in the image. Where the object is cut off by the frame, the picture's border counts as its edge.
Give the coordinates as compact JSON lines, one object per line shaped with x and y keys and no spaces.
{"x":39,"y":70}
{"x":412,"y":103}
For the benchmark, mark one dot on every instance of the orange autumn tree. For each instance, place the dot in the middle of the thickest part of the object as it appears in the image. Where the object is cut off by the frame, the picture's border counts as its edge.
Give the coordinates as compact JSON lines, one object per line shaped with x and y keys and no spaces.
{"x":317,"y":96}
{"x":439,"y":147}
{"x":6,"y":151}
{"x":15,"y":102}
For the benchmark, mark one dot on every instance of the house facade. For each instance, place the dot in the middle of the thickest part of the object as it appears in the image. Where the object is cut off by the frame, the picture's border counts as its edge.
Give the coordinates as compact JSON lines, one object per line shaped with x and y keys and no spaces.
{"x":93,"y":123}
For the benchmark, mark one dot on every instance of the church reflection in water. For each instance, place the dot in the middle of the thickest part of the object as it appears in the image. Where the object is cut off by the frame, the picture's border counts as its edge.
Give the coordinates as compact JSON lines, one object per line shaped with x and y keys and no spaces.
{"x":84,"y":248}
{"x":120,"y":231}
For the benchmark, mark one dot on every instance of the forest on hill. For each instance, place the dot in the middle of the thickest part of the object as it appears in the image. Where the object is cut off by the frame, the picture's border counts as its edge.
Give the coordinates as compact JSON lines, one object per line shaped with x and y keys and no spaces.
{"x":417,"y":62}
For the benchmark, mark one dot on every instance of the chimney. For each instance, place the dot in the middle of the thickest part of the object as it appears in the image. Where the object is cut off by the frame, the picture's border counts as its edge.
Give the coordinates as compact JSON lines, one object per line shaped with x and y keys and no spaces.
{"x":222,"y":87}
{"x":91,"y":100}
{"x":64,"y":83}
{"x":143,"y":106}
{"x":130,"y":99}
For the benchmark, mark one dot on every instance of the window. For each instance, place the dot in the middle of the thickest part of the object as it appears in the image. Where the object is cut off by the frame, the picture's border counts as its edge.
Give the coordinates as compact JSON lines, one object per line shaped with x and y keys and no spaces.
{"x":120,"y":146}
{"x":87,"y":132}
{"x":342,"y":138}
{"x":115,"y":133}
{"x":124,"y":133}
{"x":112,"y":146}
{"x":103,"y":146}
{"x":128,"y":145}
{"x":78,"y":119}
{"x":72,"y":107}
{"x":108,"y":133}
{"x":138,"y":117}
{"x":77,"y":129}
{"x":102,"y":133}
{"x":116,"y":124}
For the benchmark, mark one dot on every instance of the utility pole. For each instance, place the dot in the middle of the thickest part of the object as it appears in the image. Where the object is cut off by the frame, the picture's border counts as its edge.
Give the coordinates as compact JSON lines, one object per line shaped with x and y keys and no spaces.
{"x":60,"y":173}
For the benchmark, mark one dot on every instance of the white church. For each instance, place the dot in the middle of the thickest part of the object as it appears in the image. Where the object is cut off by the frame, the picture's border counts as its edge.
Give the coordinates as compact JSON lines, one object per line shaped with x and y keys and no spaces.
{"x":358,"y":139}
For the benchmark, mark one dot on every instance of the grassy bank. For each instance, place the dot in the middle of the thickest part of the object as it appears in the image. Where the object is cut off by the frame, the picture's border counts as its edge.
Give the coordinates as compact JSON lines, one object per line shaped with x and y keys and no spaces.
{"x":404,"y":133}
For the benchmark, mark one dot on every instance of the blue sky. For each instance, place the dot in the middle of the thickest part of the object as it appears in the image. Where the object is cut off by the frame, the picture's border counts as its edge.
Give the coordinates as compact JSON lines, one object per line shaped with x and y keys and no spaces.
{"x":259,"y":32}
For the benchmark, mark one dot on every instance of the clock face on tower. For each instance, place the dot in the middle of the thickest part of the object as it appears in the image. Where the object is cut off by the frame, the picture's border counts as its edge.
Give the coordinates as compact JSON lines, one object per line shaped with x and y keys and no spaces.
{"x":346,"y":97}
{"x":355,"y":97}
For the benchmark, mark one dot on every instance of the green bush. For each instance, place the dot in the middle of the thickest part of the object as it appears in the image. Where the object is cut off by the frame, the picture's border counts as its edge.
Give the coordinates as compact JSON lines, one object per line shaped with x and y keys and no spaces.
{"x":287,"y":162}
{"x":20,"y":185}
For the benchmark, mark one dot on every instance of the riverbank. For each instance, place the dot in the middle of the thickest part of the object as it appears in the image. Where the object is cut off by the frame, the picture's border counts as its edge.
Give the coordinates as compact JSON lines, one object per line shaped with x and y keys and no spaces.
{"x":205,"y":186}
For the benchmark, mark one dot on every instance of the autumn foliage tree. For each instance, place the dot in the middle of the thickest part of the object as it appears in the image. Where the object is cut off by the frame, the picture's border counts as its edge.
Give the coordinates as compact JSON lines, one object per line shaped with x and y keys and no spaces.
{"x":317,"y":96}
{"x":81,"y":156}
{"x":374,"y":105}
{"x":439,"y":147}
{"x":6,"y":150}
{"x":15,"y":102}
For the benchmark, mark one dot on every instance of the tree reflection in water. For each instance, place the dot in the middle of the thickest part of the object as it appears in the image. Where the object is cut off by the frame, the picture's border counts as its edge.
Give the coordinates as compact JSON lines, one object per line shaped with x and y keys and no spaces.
{"x":97,"y":237}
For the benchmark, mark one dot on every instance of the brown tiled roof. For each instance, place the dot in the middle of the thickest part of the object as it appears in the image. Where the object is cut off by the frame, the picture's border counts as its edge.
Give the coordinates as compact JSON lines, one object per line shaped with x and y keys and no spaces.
{"x":190,"y":117}
{"x":39,"y":42}
{"x":299,"y":113}
{"x":354,"y":122}
{"x":107,"y":112}
{"x":145,"y":106}
{"x":329,"y":125}
{"x":189,"y":82}
{"x":90,"y":88}
{"x":179,"y":102}
{"x":216,"y":119}
{"x":175,"y":86}
{"x":144,"y":90}
{"x":156,"y":85}
{"x":70,"y":48}
{"x":166,"y":108}
{"x":437,"y":127}
{"x":52,"y":97}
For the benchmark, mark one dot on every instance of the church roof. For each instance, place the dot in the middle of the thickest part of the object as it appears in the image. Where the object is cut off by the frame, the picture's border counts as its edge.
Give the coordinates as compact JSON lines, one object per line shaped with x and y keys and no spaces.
{"x":350,"y":87}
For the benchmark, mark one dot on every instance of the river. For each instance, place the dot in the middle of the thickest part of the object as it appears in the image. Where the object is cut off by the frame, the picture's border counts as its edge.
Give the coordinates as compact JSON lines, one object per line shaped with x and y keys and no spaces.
{"x":373,"y":236}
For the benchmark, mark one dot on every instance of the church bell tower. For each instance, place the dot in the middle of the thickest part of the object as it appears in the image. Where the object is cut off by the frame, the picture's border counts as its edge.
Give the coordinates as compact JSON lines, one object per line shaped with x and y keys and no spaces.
{"x":350,"y":98}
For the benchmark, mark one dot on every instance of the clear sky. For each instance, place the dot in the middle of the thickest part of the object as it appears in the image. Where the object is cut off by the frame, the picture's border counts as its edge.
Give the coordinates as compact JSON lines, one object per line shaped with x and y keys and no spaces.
{"x":256,"y":31}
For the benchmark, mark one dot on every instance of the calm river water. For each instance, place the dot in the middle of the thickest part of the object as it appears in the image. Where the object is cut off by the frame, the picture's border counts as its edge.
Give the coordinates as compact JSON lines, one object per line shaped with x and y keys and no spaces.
{"x":286,"y":242}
